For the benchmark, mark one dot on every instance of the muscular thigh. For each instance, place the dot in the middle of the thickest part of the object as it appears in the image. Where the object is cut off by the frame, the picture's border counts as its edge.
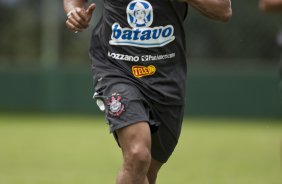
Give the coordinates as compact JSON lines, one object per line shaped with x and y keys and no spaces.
{"x":135,"y":136}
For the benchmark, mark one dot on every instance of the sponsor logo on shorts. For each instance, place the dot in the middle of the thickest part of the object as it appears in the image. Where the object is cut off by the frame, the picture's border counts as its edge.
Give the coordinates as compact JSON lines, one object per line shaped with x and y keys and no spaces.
{"x":142,"y":71}
{"x":140,"y":18}
{"x":143,"y":58}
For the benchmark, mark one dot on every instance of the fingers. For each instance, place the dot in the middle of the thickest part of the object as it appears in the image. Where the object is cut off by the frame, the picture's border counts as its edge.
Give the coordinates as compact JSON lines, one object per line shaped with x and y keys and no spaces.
{"x":72,"y":27}
{"x":91,"y":9}
{"x":82,"y":14}
{"x":79,"y":18}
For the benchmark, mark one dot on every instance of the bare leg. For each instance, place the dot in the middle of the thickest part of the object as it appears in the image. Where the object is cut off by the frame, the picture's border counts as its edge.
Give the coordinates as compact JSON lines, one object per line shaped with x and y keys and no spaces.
{"x":153,"y":171}
{"x":135,"y":142}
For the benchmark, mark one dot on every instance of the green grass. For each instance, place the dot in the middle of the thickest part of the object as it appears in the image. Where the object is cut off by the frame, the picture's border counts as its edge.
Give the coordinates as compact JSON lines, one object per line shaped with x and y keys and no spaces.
{"x":79,"y":150}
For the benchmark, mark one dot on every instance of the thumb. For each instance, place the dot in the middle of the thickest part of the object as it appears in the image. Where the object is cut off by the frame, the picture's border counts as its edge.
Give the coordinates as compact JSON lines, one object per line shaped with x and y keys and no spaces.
{"x":91,"y":8}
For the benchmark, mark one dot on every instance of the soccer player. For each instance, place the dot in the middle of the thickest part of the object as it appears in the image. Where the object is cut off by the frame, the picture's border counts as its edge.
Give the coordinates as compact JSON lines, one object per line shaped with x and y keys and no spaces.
{"x":139,"y":66}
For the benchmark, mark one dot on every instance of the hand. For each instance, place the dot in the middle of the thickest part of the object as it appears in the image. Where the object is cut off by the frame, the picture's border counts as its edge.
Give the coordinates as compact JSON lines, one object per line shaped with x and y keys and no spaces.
{"x":79,"y":18}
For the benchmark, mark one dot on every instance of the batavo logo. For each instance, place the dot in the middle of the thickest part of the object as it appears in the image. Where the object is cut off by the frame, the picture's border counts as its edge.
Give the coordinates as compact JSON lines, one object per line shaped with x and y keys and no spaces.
{"x":142,"y":71}
{"x":140,"y":17}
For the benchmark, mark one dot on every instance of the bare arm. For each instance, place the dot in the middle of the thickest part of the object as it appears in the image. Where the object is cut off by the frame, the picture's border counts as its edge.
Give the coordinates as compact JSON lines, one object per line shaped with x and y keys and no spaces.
{"x":78,"y":15}
{"x":215,"y":9}
{"x":271,"y":5}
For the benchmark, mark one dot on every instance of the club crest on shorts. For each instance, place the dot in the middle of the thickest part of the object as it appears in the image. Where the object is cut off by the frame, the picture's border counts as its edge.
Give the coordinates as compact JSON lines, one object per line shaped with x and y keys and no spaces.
{"x":116,"y":107}
{"x":140,"y":17}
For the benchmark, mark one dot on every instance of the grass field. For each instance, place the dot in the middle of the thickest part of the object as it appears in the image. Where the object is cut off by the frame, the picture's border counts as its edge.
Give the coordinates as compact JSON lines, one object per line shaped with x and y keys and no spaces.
{"x":79,"y":150}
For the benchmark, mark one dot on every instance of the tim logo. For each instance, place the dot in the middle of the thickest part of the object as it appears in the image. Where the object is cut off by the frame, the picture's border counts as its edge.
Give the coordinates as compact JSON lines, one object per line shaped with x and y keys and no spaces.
{"x":140,"y":17}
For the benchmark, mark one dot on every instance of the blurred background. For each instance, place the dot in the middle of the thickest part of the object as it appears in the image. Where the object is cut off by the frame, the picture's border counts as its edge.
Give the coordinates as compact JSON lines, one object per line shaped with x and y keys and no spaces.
{"x":233,"y":67}
{"x":50,"y":125}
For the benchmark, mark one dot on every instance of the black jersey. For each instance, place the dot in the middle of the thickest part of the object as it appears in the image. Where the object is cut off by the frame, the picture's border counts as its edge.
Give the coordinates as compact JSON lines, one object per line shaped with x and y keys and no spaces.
{"x":142,"y":42}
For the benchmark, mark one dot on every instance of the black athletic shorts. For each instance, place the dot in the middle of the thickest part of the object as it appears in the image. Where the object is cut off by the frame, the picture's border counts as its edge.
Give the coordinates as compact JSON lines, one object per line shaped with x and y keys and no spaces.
{"x":125,"y":105}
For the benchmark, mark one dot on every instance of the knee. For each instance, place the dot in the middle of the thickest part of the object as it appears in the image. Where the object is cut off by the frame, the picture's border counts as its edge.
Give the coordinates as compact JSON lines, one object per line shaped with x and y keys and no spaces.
{"x":138,"y":158}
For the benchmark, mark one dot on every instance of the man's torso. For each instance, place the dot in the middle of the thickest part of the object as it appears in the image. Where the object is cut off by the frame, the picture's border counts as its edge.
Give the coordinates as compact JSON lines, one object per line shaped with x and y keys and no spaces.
{"x":142,"y":41}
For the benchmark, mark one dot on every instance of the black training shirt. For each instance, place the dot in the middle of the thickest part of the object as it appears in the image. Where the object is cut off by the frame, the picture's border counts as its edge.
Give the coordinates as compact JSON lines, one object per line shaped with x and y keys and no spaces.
{"x":142,"y":42}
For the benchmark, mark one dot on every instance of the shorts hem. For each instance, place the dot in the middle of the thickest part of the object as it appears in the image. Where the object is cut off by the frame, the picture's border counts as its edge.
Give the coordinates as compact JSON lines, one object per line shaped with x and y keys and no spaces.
{"x":122,"y":125}
{"x":163,"y":161}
